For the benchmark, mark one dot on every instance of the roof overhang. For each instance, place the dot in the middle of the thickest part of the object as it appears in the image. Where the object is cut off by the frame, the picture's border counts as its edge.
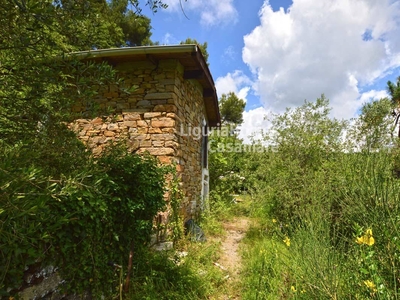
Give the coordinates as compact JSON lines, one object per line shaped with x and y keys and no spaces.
{"x":190,"y":57}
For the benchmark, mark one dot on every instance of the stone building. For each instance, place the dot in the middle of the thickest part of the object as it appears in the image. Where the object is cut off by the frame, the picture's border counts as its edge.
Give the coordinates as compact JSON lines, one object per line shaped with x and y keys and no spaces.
{"x":174,"y":102}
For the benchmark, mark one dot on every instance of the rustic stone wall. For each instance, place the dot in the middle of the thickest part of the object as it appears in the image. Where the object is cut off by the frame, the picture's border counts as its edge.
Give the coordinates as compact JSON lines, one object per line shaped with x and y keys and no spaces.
{"x":158,"y":117}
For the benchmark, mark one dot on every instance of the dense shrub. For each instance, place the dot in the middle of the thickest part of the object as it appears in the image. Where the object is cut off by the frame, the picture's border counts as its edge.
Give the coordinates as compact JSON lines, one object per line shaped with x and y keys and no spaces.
{"x":79,"y":221}
{"x":330,"y":208}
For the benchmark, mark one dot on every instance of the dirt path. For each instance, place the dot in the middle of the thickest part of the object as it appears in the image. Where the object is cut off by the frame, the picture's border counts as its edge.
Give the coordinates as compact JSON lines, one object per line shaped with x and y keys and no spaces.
{"x":230,"y":259}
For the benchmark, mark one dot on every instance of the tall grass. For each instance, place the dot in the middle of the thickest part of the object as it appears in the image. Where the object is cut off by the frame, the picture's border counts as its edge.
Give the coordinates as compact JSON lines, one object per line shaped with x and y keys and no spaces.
{"x":329,"y":216}
{"x":357,"y":199}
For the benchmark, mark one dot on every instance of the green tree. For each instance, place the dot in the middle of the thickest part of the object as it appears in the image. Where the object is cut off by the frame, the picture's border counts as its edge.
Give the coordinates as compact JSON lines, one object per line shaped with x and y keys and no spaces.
{"x":227,"y":151}
{"x":371,"y":129}
{"x":304,"y":145}
{"x":42,"y":163}
{"x":136,"y":29}
{"x":394,"y":91}
{"x":37,"y":83}
{"x":231,"y":108}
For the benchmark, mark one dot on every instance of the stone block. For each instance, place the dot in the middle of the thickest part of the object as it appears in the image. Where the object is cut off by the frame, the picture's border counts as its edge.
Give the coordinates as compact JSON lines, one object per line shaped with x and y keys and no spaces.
{"x":142,"y":130}
{"x":154,"y":130}
{"x":92,"y":132}
{"x":157,"y":143}
{"x":142,"y":123}
{"x":165,"y":159}
{"x":143,"y":103}
{"x":158,"y":96}
{"x":140,"y":137}
{"x":96,"y":121}
{"x":131,"y":116}
{"x":151,"y":115}
{"x":172,"y":144}
{"x":160,"y":151}
{"x":168,"y":130}
{"x":169,"y":81}
{"x":163,"y":122}
{"x":159,"y":102}
{"x":109,"y":133}
{"x":172,"y":116}
{"x":130,"y":123}
{"x":97,"y":139}
{"x":158,"y":137}
{"x":165,"y":108}
{"x":169,"y":136}
{"x":113,"y":127}
{"x":87,"y":126}
{"x":145,"y":143}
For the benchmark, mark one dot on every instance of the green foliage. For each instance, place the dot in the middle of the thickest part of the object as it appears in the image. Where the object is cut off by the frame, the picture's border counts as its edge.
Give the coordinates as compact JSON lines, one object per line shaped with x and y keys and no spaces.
{"x":59,"y":205}
{"x":372,"y":129}
{"x":136,"y":29}
{"x":265,"y":274}
{"x":328,"y":209}
{"x":305,"y":145}
{"x":173,"y":276}
{"x":225,"y":158}
{"x":38,"y":84}
{"x":231,"y":108}
{"x":97,"y":211}
{"x":175,"y":201}
{"x":227,"y":153}
{"x":394,"y":91}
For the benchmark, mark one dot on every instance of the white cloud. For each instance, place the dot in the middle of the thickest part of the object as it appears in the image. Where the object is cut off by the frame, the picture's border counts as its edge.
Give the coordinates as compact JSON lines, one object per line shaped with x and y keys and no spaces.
{"x":212,"y":12}
{"x":254,"y":123}
{"x":317,"y":47}
{"x":235,"y":82}
{"x":373,"y":95}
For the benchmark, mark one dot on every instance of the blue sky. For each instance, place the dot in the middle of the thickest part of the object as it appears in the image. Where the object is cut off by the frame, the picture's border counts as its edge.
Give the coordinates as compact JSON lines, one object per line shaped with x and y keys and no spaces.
{"x":275,"y":54}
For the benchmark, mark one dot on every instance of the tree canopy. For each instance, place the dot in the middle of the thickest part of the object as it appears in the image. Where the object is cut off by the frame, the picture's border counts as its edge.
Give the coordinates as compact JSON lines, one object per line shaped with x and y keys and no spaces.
{"x":394,"y":92}
{"x":37,"y":81}
{"x":231,"y":108}
{"x":53,"y":192}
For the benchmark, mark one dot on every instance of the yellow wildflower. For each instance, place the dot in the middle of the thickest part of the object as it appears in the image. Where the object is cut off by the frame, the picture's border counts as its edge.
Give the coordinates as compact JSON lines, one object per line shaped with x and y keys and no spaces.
{"x":366,"y":239}
{"x":273,"y":220}
{"x":370,"y":285}
{"x":287,"y":241}
{"x":293,"y":289}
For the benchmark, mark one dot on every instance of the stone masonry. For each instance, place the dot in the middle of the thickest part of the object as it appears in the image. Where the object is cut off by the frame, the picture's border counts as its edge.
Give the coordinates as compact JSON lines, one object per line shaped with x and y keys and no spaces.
{"x":156,"y":117}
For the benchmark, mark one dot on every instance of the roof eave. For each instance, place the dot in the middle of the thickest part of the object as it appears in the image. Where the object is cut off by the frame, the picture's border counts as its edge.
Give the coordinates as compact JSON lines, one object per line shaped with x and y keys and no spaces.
{"x":204,"y":75}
